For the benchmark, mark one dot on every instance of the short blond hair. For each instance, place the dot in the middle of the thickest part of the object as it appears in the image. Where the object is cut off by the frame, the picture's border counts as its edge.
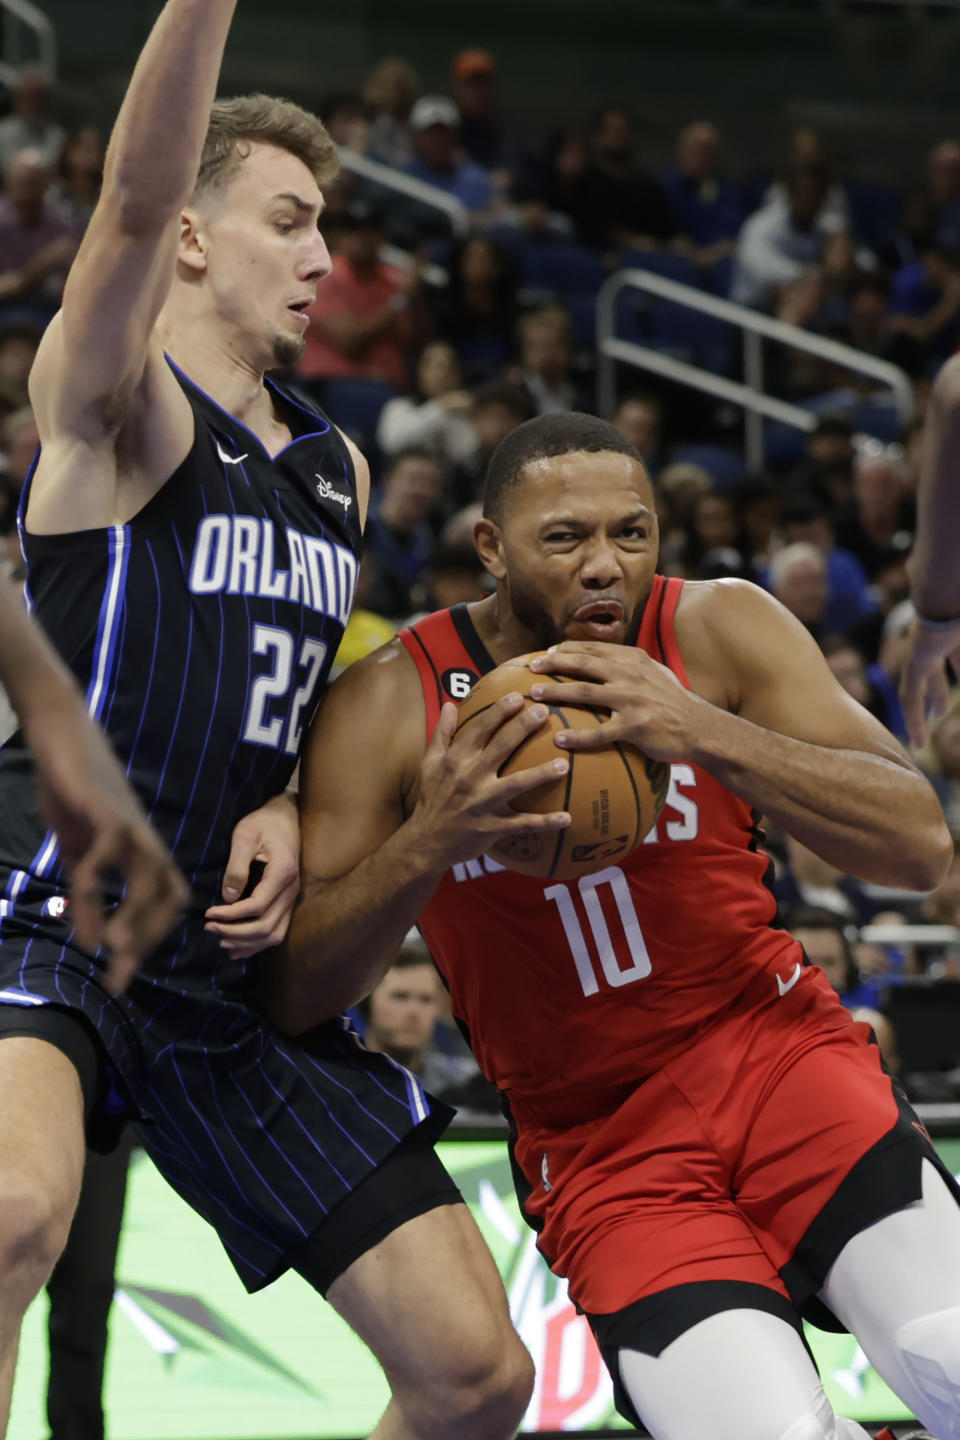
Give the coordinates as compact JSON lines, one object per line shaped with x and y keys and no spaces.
{"x":246,"y":120}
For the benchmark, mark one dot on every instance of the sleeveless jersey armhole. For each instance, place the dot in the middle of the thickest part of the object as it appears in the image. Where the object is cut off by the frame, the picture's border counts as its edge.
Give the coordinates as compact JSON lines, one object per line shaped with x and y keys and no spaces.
{"x":666,"y":634}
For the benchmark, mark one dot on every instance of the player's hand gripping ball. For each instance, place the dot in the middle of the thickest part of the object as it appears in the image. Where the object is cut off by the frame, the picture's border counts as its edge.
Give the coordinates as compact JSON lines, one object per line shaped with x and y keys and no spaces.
{"x":614,"y":794}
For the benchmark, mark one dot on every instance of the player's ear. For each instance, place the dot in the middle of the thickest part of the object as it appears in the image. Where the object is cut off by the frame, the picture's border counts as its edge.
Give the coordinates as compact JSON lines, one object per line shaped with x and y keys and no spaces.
{"x":193,"y":245}
{"x":488,"y":539}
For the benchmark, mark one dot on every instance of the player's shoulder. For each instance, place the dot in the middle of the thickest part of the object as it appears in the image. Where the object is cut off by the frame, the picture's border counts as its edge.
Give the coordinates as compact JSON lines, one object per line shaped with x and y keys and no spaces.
{"x":722,"y":605}
{"x":385,"y":678}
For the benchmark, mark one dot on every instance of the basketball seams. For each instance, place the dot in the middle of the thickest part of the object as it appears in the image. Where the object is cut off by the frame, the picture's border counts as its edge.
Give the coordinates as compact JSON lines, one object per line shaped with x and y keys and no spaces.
{"x":637,"y":837}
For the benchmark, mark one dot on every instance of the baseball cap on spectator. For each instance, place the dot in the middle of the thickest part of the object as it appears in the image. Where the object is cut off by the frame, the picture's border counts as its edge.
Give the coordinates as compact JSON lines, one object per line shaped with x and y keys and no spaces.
{"x":471,"y":63}
{"x":434,"y":110}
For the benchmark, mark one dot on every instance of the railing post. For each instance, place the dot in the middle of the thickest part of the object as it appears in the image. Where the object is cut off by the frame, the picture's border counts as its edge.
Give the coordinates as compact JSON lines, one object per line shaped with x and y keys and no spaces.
{"x":753,"y":420}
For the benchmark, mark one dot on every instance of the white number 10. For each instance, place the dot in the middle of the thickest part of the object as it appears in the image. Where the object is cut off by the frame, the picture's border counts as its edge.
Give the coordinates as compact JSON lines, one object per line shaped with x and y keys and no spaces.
{"x":588,"y":886}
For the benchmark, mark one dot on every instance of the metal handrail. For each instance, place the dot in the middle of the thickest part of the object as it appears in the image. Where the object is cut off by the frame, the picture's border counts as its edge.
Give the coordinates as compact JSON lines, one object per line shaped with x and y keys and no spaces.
{"x":13,"y":15}
{"x":432,"y":195}
{"x":756,"y":327}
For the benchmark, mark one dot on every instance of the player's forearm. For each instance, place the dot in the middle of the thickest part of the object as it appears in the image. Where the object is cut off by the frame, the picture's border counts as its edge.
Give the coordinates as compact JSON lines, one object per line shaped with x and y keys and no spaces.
{"x":934,"y":571}
{"x":345,"y":933}
{"x":154,"y":152}
{"x":870,"y":816}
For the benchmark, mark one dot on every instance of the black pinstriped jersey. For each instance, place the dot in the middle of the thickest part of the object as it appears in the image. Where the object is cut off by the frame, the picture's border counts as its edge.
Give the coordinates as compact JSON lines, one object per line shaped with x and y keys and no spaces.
{"x":202,"y":632}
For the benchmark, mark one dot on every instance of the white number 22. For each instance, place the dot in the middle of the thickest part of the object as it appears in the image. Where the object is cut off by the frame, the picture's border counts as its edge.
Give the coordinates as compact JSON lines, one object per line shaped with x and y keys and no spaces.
{"x":271,"y":640}
{"x":588,"y":885}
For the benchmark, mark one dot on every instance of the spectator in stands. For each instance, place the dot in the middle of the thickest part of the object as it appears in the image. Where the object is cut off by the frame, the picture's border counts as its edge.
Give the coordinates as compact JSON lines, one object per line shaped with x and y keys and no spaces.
{"x":436,"y":416}
{"x":347,"y":119}
{"x":639,"y":418}
{"x":943,"y":189}
{"x":547,"y":189}
{"x":366,"y":313}
{"x":546,"y":357}
{"x":925,"y":304}
{"x":915,"y":229}
{"x":808,"y":880}
{"x":706,"y":206}
{"x":37,"y":241}
{"x":882,"y":511}
{"x":477,"y":311}
{"x":712,"y":526}
{"x":435,"y":127}
{"x":400,"y":1017}
{"x":499,"y":407}
{"x":798,"y":578}
{"x":389,"y":92}
{"x":483,"y":135}
{"x":849,"y":597}
{"x":940,"y":759}
{"x":19,"y":442}
{"x":869,"y":685}
{"x":778,"y":243}
{"x":807,"y":149}
{"x":615,"y":204}
{"x":18,"y":348}
{"x":823,"y":935}
{"x":868,"y":324}
{"x":758,"y":503}
{"x":80,"y":173}
{"x":31,"y":125}
{"x":399,"y":536}
{"x":826,"y":470}
{"x":454,"y":576}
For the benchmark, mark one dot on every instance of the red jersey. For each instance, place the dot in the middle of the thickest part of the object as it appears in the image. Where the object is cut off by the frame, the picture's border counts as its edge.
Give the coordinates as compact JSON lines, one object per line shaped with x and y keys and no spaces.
{"x":572,"y":992}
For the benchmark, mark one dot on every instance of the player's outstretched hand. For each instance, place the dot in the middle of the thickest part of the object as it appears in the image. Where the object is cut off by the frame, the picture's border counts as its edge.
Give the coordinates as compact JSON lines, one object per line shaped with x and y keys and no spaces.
{"x":102,"y":830}
{"x":649,"y":708}
{"x":463,"y":803}
{"x":264,"y":861}
{"x":924,"y":689}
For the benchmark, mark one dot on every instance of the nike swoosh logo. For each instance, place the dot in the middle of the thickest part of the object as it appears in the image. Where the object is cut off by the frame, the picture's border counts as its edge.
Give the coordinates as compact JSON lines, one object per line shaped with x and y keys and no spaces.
{"x":784,"y":985}
{"x":229,"y":459}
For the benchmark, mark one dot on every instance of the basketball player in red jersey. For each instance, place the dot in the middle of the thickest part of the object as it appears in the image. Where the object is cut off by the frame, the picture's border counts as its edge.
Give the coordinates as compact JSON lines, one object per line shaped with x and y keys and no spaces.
{"x":707,"y":1143}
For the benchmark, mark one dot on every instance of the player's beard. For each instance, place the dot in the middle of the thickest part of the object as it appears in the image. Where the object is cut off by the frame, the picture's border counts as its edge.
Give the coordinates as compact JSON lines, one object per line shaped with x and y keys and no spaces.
{"x":544,"y":628}
{"x":288,"y":350}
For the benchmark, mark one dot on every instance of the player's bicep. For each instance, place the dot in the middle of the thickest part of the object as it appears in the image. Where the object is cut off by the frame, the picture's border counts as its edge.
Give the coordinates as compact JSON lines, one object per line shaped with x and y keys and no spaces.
{"x":94,"y":358}
{"x":352,"y":782}
{"x":786,"y":685}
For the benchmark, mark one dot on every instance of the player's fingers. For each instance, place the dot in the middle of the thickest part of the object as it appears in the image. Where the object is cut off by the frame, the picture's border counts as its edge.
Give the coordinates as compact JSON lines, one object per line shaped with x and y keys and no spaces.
{"x":154,"y":899}
{"x":576,"y":692}
{"x":265,"y":930}
{"x":913,"y":690}
{"x":530,"y":820}
{"x":938,"y":692}
{"x":593,"y":738}
{"x":86,"y":885}
{"x":443,"y":731}
{"x":523,"y":781}
{"x":244,"y":844}
{"x":478,"y":730}
{"x":512,"y":733}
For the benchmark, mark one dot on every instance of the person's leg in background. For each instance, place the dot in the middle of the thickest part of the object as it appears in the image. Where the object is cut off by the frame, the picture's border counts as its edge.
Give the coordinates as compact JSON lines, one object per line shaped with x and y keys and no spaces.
{"x":81,"y":1293}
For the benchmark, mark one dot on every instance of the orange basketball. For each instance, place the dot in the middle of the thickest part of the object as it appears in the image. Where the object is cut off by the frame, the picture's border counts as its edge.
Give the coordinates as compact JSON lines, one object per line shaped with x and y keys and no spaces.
{"x":613,"y":794}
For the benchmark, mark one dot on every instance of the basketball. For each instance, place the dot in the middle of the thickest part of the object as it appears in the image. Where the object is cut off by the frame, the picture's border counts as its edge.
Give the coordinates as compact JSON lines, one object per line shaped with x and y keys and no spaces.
{"x":613,"y":794}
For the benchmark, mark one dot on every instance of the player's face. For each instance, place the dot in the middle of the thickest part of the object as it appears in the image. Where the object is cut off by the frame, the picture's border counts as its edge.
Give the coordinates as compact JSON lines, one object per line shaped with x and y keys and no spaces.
{"x":265,"y":255}
{"x":579,"y":546}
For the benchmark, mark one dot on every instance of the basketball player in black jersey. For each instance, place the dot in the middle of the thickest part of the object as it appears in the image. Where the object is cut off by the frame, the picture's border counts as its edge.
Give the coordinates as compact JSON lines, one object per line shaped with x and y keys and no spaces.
{"x":192,"y":536}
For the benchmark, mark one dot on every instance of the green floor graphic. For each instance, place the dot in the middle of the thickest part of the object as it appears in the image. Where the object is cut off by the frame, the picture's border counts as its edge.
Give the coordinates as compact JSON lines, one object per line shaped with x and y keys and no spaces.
{"x":194,"y":1358}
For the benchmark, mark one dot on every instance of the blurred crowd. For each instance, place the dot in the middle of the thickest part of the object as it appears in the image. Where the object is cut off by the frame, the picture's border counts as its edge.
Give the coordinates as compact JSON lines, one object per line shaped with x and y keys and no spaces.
{"x":430,"y":342}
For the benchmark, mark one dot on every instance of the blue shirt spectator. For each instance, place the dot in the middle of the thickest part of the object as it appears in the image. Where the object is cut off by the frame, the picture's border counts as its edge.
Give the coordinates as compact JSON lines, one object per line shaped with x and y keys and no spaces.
{"x":705,"y":205}
{"x":434,"y":124}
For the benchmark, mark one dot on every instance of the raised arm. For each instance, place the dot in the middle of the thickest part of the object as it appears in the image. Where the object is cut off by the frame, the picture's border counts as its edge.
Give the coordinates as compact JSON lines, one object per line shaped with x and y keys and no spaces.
{"x":100,"y":350}
{"x":933,"y":565}
{"x":380,"y":823}
{"x":778,"y":731}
